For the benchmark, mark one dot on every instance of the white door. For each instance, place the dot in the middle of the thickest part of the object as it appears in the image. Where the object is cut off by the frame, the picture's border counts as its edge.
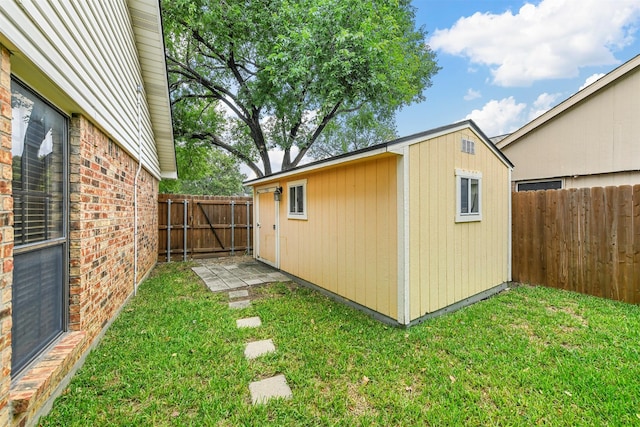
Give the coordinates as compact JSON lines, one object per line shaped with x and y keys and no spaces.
{"x":267,"y":227}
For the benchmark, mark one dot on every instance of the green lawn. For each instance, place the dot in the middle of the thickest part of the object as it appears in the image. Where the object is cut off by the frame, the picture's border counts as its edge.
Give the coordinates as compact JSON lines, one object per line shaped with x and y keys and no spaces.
{"x":527,"y":356}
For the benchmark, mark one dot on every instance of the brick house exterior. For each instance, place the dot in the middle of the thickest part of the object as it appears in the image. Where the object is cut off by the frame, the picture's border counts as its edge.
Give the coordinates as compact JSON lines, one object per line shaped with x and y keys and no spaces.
{"x":6,"y":235}
{"x":101,"y":226}
{"x":99,"y":167}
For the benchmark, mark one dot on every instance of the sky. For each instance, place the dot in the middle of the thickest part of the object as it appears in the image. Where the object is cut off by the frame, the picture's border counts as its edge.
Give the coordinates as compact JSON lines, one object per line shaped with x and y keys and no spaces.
{"x":505,"y":62}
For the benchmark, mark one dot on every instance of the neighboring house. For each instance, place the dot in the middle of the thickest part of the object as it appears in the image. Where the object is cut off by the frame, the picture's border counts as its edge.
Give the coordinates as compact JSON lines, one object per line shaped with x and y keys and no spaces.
{"x":589,"y":140}
{"x":402,"y":230}
{"x":83,"y":100}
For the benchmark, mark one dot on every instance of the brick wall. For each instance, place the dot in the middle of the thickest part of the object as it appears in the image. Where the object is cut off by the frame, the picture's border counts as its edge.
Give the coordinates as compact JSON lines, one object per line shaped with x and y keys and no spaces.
{"x":101,"y":256}
{"x":6,"y":235}
{"x":101,"y":251}
{"x":102,"y":226}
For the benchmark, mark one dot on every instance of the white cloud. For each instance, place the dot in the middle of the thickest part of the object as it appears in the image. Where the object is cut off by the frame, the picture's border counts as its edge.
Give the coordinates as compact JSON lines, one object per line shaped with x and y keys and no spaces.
{"x":542,"y":104}
{"x":472,"y":94}
{"x":499,"y":117}
{"x":552,"y":39}
{"x":591,"y":79}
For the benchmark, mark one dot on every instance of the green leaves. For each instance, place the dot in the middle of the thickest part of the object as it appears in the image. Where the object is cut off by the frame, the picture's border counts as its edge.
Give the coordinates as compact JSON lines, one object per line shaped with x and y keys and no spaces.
{"x":204,"y":170}
{"x":278,"y":72}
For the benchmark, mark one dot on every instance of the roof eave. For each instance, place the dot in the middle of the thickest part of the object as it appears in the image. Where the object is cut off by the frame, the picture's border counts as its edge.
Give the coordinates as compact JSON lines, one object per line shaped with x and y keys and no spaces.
{"x":387,"y":147}
{"x":572,"y":100}
{"x":146,"y":18}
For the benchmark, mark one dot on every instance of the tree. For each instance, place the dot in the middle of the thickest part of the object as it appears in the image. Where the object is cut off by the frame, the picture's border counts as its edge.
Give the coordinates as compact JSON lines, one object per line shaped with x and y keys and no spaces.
{"x":204,"y":170}
{"x":354,"y":131}
{"x":266,"y":74}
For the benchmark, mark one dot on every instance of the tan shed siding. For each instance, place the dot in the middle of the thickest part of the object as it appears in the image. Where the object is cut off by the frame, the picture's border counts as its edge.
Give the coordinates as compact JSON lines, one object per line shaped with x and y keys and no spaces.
{"x":348,"y":244}
{"x":87,"y":50}
{"x":451,"y":261}
{"x":598,"y":135}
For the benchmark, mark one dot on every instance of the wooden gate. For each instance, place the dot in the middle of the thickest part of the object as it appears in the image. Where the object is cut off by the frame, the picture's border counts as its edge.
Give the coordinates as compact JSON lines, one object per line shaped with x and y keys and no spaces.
{"x":203,"y":226}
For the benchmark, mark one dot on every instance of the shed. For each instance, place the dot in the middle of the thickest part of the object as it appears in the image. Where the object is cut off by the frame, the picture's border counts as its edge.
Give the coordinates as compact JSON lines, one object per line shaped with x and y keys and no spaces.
{"x":588,"y":140}
{"x":85,"y":125}
{"x":403,"y":230}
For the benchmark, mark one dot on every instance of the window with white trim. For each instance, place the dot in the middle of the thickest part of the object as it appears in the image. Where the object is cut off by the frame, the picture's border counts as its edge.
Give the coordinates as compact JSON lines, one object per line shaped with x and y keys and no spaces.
{"x":297,"y":199}
{"x":468,"y":196}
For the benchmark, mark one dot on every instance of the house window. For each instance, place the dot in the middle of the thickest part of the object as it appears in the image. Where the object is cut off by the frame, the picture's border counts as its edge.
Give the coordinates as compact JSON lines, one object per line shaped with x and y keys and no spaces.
{"x":468,"y":196}
{"x":555,"y":184}
{"x":39,"y":146}
{"x":297,"y":191}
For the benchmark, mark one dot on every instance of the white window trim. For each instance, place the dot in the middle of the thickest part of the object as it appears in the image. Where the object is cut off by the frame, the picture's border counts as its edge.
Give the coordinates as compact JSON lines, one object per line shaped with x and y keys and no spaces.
{"x":292,"y":215}
{"x":468,"y":217}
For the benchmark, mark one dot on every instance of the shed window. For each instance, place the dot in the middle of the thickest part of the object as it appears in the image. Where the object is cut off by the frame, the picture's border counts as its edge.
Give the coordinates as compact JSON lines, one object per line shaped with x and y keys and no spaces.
{"x":468,"y":196}
{"x":297,"y":191}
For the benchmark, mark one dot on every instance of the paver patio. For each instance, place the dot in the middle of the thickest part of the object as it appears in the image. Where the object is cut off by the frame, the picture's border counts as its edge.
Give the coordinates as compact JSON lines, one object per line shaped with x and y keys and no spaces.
{"x":224,"y":274}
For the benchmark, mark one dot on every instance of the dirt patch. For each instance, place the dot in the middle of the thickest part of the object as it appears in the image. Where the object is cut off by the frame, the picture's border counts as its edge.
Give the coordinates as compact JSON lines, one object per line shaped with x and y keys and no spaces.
{"x":358,"y":404}
{"x":571,"y":312}
{"x":271,"y":290}
{"x":531,"y":334}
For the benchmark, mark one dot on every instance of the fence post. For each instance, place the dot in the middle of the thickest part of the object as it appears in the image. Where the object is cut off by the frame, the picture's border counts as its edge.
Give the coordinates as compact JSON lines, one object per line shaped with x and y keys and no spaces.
{"x":248,"y":230}
{"x":168,"y":230}
{"x":233,"y":227}
{"x":184,"y":243}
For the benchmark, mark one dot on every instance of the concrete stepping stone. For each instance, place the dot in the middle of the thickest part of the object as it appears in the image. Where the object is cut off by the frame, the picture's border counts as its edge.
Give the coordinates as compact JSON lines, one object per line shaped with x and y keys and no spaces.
{"x":249,"y":322}
{"x":274,"y":387}
{"x":240,"y":304}
{"x":238,"y":294}
{"x":258,"y":348}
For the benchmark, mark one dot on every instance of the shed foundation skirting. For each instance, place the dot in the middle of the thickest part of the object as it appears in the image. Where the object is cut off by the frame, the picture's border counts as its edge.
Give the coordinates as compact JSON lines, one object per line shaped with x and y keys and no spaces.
{"x":394,"y":322}
{"x":462,"y":303}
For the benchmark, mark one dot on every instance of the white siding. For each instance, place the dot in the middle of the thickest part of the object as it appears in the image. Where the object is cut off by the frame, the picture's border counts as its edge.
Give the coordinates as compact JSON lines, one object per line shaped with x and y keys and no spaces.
{"x":592,"y":141}
{"x":87,"y":49}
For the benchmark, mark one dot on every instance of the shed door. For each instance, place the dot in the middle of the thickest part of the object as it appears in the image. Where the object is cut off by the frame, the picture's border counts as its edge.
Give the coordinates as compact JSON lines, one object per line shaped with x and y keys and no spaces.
{"x":38,"y":147}
{"x":266,"y":222}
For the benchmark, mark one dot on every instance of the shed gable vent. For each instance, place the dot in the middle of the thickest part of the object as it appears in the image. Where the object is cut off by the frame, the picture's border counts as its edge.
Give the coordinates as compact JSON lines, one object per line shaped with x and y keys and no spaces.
{"x":468,"y":146}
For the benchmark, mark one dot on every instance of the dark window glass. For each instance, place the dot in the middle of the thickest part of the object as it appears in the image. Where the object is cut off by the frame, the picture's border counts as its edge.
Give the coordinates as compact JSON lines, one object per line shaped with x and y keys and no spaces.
{"x":38,"y":146}
{"x":300,"y":199}
{"x":473,"y":202}
{"x":296,"y":199}
{"x":37,"y":303}
{"x":464,"y":195}
{"x":541,"y":185}
{"x":292,"y":199}
{"x":37,"y":141}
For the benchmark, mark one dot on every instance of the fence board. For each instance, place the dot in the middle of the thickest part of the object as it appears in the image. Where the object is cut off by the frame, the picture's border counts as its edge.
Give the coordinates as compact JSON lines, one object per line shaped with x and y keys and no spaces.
{"x":214,"y":226}
{"x":635,"y":291}
{"x":585,"y":240}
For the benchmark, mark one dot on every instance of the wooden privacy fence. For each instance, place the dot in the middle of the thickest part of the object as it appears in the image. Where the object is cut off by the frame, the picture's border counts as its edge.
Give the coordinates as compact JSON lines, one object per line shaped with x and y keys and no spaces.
{"x":203,"y":226}
{"x":585,"y":240}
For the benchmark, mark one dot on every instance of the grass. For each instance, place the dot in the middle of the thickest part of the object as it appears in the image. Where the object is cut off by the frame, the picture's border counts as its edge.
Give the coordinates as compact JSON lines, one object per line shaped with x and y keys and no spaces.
{"x":527,"y":356}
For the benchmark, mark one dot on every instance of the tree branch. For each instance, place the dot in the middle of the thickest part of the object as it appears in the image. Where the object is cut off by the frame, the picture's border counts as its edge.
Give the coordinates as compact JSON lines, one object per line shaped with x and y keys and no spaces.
{"x":218,"y":142}
{"x":325,"y":120}
{"x":223,"y":94}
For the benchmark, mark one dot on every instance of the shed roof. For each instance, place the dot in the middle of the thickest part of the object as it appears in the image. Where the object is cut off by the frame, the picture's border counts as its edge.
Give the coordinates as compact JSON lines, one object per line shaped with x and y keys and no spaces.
{"x":582,"y":95}
{"x":393,"y":146}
